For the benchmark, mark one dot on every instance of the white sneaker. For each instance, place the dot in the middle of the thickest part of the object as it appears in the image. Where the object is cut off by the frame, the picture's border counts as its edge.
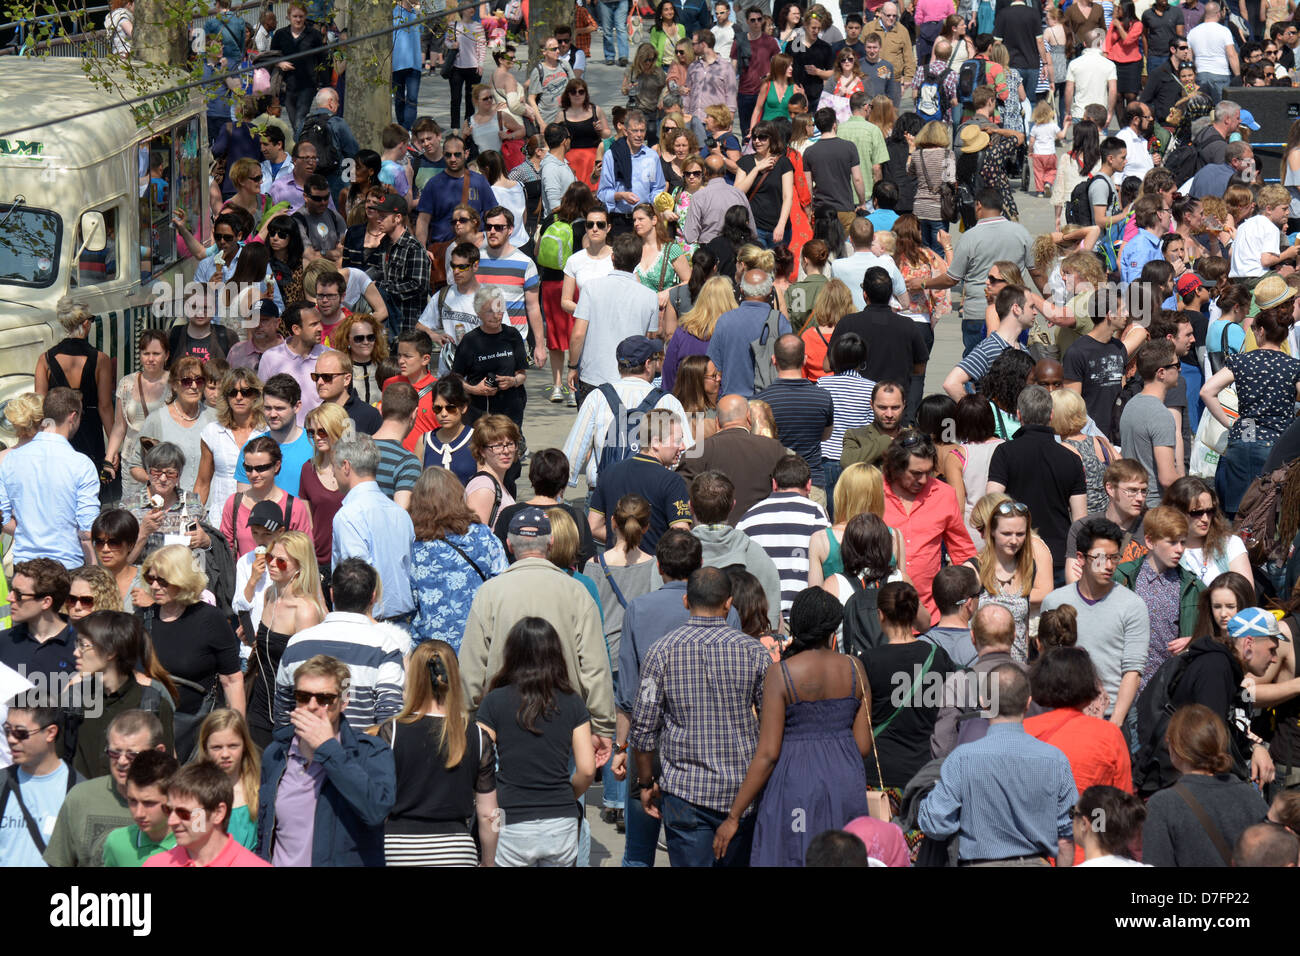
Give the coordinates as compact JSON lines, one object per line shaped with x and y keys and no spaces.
{"x":556,"y":395}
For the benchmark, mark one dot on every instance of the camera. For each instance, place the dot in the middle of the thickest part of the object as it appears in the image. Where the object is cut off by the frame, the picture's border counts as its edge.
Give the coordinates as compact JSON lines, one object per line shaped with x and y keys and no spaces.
{"x":490,"y":380}
{"x":710,"y":142}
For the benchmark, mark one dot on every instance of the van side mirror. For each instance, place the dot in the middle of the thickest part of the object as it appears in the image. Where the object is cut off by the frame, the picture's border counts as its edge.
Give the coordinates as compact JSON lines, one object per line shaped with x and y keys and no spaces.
{"x":94,"y":234}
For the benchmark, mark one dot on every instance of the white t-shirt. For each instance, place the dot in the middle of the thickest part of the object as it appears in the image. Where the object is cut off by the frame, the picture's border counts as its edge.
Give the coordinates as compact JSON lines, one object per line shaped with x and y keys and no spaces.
{"x":1255,"y":236}
{"x":1091,"y":73}
{"x":513,"y":198}
{"x":583,"y":268}
{"x":1139,"y":156}
{"x":1209,"y":43}
{"x":1194,"y":560}
{"x":1044,"y":137}
{"x":358,"y":283}
{"x":1111,"y":861}
{"x":455,"y":319}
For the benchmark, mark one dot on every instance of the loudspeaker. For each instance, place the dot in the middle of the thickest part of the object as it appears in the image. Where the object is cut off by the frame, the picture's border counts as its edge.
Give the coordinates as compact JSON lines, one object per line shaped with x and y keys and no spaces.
{"x":1275,"y":109}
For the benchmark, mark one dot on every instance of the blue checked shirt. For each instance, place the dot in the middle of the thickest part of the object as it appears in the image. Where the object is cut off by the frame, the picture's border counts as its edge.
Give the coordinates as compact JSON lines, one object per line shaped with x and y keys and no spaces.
{"x":698,"y":702}
{"x":1005,"y":795}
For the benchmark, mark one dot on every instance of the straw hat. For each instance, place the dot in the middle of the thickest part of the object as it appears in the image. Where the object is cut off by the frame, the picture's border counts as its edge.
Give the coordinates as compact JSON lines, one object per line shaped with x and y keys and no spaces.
{"x":1272,"y":290}
{"x":973,"y":139}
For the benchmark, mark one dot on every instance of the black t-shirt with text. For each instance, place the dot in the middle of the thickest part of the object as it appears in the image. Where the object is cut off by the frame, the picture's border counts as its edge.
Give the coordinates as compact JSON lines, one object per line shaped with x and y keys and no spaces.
{"x":503,"y":354}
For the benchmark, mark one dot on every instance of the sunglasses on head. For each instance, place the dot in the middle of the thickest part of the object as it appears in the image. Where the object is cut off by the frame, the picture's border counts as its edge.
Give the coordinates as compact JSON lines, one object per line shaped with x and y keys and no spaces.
{"x":912,"y":439}
{"x":1017,"y":509}
{"x":302,"y":698}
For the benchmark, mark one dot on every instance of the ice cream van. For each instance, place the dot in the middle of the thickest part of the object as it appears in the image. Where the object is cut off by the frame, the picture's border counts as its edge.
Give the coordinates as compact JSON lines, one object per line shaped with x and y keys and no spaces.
{"x":86,"y":206}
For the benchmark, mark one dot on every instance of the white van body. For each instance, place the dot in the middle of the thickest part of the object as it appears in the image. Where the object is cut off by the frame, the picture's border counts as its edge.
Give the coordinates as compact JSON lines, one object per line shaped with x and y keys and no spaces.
{"x":133,"y":166}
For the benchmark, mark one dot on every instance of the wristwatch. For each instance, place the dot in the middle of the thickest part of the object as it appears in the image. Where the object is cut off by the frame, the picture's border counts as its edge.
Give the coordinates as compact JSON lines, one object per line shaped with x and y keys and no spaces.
{"x":620,"y":748}
{"x":573,"y":368}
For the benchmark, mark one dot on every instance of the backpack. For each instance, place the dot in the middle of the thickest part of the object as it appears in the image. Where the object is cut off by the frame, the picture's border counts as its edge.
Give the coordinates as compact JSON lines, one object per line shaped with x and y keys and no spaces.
{"x":929,"y":98}
{"x":1078,"y":210}
{"x":1267,"y":533}
{"x":862,"y":630}
{"x":762,"y":349}
{"x":744,"y":53}
{"x":970,"y":76}
{"x":623,"y":436}
{"x":220,"y":568}
{"x":1185,"y":160}
{"x":1152,"y":769}
{"x":555,"y":245}
{"x":316,"y":130}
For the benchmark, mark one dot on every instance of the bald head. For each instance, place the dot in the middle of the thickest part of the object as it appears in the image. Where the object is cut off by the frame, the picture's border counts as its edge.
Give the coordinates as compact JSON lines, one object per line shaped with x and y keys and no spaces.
{"x":756,"y":284}
{"x":788,"y":353}
{"x":733,"y":410}
{"x":889,"y":9}
{"x":714,"y":166}
{"x":993,"y":629}
{"x":942,"y":51}
{"x":1266,"y":844}
{"x":1048,"y":373}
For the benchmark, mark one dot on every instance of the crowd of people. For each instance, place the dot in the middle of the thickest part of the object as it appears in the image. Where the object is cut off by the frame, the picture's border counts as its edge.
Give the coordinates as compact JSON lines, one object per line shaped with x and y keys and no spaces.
{"x":1060,"y":586}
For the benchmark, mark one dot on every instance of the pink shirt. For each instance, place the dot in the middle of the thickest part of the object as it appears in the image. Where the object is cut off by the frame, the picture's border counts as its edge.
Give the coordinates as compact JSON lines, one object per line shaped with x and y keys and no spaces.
{"x":927,"y":11}
{"x":232,"y":854}
{"x":934,"y":517}
{"x":236,"y":531}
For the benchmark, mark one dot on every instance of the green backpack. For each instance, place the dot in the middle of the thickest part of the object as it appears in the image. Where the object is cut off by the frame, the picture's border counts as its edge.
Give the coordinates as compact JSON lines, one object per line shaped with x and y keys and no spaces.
{"x":555,"y":245}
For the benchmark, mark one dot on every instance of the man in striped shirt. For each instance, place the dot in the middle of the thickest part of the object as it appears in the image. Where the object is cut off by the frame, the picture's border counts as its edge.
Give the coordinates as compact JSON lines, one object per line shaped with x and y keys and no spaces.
{"x":372,"y":651}
{"x":1015,"y":314}
{"x":504,"y":267}
{"x":804,"y":414}
{"x":782,"y":523}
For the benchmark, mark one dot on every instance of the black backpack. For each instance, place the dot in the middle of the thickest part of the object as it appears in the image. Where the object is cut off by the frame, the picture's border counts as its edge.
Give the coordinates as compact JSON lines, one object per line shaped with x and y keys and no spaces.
{"x":316,"y":130}
{"x":1152,"y":769}
{"x":1185,"y":160}
{"x":1078,"y":211}
{"x":970,"y":77}
{"x":862,"y":630}
{"x":744,"y":53}
{"x":623,"y":436}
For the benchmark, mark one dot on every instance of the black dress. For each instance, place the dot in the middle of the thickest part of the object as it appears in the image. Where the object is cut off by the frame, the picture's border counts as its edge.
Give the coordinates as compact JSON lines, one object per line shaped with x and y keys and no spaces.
{"x":896,"y":172}
{"x":89,"y":438}
{"x":268,"y":649}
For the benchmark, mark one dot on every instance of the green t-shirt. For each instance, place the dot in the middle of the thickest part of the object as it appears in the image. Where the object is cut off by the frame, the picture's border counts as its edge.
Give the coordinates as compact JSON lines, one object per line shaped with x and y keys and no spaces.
{"x":129,"y":846}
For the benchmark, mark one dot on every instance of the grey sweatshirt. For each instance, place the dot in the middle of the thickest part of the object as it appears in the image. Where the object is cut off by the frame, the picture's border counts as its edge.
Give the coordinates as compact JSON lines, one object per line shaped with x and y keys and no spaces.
{"x":1116,"y":632}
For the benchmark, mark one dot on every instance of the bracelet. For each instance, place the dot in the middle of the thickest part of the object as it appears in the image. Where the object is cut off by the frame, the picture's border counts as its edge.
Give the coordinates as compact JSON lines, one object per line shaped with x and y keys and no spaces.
{"x":574,"y":368}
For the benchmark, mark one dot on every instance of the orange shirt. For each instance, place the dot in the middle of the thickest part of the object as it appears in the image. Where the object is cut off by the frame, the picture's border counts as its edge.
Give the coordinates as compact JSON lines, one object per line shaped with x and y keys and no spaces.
{"x":425,"y":420}
{"x":814,"y":353}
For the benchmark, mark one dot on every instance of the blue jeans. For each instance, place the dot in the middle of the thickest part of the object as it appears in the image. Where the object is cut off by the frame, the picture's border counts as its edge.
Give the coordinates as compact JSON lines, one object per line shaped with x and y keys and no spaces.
{"x":689,"y":829}
{"x":642,"y":835}
{"x":972,"y":333}
{"x":1155,"y":63}
{"x":1214,"y":83}
{"x":1242,"y":463}
{"x":767,"y":241}
{"x":833,"y":470}
{"x":1194,"y":378}
{"x":613,"y":25}
{"x":406,"y":96}
{"x":930,"y":229}
{"x":745,"y":107}
{"x":1030,"y":79}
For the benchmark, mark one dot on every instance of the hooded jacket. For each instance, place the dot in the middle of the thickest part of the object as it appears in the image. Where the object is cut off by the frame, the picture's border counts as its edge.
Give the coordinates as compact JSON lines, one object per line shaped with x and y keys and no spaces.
{"x":359,"y":789}
{"x":724,"y":545}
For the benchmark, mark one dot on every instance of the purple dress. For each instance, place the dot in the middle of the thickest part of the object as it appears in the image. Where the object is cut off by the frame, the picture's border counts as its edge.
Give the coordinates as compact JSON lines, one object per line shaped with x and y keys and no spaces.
{"x":818,"y":782}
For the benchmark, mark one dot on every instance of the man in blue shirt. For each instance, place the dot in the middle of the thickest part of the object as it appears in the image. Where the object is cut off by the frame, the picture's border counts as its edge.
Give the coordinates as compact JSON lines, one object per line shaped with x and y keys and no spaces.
{"x":1008,"y":796}
{"x":40,"y":782}
{"x":448,"y":189}
{"x":230,"y":31}
{"x":407,"y":62}
{"x":1152,"y":220}
{"x":51,"y":489}
{"x":369,"y":526}
{"x":630,"y":174}
{"x":729,"y":347}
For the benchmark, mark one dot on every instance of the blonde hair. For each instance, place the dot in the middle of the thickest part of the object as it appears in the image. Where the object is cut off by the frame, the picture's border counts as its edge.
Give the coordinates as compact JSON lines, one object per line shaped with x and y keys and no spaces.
{"x":720,"y":115}
{"x":331,"y":417}
{"x":715,"y":298}
{"x":72,"y":315}
{"x":1069,"y":413}
{"x":833,"y":302}
{"x":300,"y":547}
{"x":242,"y":168}
{"x":178,"y":566}
{"x":102,"y":587}
{"x":888,"y":241}
{"x":883,"y":113}
{"x":752,"y":256}
{"x":934,"y":133}
{"x":250,"y":762}
{"x":1000,"y":55}
{"x":987,"y":562}
{"x":980,"y":511}
{"x":564,"y":538}
{"x":25,"y":413}
{"x":1044,"y":112}
{"x":764,"y":422}
{"x":859,"y":490}
{"x":685,"y":46}
{"x":232,"y":379}
{"x":433,"y":677}
{"x":322,"y":665}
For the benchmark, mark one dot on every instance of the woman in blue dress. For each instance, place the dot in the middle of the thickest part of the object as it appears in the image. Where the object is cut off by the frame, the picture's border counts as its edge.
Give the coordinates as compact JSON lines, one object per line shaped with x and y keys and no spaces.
{"x":453,"y":554}
{"x":447,"y":446}
{"x":813,"y":733}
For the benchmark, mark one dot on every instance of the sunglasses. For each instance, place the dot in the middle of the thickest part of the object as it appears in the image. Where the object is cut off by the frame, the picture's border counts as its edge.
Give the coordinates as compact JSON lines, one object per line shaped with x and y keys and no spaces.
{"x":191,"y":381}
{"x":319,"y":433}
{"x":280,"y":232}
{"x":324,"y":198}
{"x":253,"y":179}
{"x":243,"y":392}
{"x":20,"y":733}
{"x":184,"y":814}
{"x":912,"y":439}
{"x":497,"y":227}
{"x":155,"y":579}
{"x":280,"y":564}
{"x":599,"y":224}
{"x":224,"y":236}
{"x":452,"y":155}
{"x":303,"y":698}
{"x":115,"y":755}
{"x":363,"y":339}
{"x":82,"y":600}
{"x":105,"y":543}
{"x":326,"y":377}
{"x":257,"y":469}
{"x":1197,"y":513}
{"x":168,"y":473}
{"x":764,"y":139}
{"x":1015,"y":508}
{"x":461,"y":266}
{"x":17,"y":595}
{"x":439,"y":409}
{"x":461,"y":220}
{"x":692,"y":174}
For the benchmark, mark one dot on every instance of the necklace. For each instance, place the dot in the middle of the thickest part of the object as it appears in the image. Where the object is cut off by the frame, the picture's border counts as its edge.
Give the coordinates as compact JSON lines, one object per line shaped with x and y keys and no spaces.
{"x":189,"y":418}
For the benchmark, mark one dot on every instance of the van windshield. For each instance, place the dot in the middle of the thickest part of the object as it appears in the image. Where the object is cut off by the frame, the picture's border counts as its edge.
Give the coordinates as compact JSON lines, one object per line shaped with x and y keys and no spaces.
{"x":29,"y":246}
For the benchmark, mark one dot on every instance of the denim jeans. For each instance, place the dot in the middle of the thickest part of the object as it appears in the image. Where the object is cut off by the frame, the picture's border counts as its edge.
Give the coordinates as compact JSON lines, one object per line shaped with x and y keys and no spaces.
{"x":833,"y":470}
{"x":930,"y":229}
{"x":642,"y":835}
{"x":1214,"y":83}
{"x":689,"y":829}
{"x":1155,"y":63}
{"x":406,"y":96}
{"x":462,"y":79}
{"x":1030,"y":80}
{"x":767,"y":240}
{"x":745,"y":106}
{"x":972,"y":333}
{"x":1242,"y":463}
{"x":613,"y":25}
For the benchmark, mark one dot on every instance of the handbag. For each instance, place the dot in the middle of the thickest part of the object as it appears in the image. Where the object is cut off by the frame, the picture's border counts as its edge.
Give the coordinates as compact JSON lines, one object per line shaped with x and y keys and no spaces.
{"x":947,"y":192}
{"x":1212,"y":438}
{"x":448,"y":68}
{"x":877,"y":801}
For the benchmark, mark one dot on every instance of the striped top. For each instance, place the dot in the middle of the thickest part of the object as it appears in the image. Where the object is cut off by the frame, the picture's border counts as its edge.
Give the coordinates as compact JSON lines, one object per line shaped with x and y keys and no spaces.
{"x":515,"y":275}
{"x":851,"y":394}
{"x":398,"y":468}
{"x":781,"y":524}
{"x":373,"y":653}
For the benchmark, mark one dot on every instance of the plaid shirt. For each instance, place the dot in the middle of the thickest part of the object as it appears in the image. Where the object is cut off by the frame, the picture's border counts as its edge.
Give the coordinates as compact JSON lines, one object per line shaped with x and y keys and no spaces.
{"x":406,"y":282}
{"x":698,"y":703}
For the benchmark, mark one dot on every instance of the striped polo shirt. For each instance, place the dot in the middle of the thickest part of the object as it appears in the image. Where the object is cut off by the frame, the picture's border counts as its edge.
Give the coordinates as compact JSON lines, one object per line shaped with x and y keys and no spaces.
{"x":782,"y":524}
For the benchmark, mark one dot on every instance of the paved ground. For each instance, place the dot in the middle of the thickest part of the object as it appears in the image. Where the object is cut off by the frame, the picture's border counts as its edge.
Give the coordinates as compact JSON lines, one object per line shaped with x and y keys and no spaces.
{"x":548,"y":424}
